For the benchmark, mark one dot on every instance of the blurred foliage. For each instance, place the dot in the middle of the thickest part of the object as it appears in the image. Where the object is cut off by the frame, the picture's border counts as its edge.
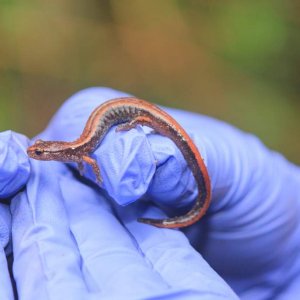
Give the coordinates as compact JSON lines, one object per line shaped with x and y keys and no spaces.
{"x":235,"y":60}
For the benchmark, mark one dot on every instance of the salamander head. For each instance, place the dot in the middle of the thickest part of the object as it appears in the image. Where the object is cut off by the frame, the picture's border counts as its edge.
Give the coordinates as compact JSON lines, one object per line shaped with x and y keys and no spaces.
{"x":46,"y":150}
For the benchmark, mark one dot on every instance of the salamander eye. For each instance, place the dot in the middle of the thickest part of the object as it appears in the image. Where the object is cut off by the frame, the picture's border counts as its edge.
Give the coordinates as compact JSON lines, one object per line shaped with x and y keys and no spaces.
{"x":38,"y":152}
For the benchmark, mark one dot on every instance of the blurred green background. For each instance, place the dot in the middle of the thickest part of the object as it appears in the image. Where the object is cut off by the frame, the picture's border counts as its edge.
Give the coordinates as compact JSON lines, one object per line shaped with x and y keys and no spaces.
{"x":235,"y":60}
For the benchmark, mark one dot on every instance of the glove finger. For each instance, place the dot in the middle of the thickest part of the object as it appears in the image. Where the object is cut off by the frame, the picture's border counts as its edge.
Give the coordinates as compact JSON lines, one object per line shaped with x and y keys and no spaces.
{"x":5,"y":225}
{"x":111,"y":259}
{"x":171,"y":255}
{"x":127,"y":165}
{"x":14,"y":163}
{"x":6,"y":291}
{"x":47,"y":264}
{"x":5,"y":230}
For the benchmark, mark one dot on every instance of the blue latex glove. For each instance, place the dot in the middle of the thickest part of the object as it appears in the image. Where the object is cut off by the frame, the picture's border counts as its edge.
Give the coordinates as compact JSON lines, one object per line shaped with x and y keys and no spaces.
{"x":69,"y":244}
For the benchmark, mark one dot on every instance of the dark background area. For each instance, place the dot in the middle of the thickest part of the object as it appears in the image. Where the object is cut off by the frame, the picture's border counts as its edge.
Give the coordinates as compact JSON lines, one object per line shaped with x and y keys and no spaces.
{"x":234,"y":60}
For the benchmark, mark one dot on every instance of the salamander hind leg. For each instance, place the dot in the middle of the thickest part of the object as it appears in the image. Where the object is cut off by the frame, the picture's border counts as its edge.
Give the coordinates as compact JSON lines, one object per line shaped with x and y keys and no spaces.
{"x":141,"y":120}
{"x":126,"y":126}
{"x":92,"y":162}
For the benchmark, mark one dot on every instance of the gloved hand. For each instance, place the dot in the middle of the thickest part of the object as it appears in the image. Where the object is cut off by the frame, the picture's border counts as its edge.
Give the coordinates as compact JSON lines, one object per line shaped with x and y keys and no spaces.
{"x":70,"y":241}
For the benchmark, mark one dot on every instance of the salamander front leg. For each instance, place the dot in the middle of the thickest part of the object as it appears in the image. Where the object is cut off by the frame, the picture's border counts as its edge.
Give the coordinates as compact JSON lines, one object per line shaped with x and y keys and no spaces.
{"x":81,"y":168}
{"x":95,"y":167}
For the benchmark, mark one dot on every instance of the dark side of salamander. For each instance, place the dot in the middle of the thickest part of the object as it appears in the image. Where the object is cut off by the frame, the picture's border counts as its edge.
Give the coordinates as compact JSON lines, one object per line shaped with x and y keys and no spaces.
{"x":128,"y":113}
